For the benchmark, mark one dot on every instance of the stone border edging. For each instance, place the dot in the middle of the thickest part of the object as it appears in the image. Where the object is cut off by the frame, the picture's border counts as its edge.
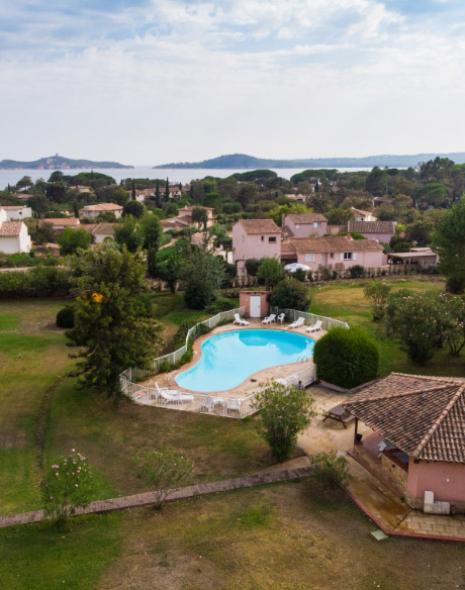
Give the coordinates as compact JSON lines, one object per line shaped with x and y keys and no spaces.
{"x":148,"y":498}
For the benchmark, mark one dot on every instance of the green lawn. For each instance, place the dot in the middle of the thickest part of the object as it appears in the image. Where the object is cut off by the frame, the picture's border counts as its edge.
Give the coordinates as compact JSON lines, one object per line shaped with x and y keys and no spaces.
{"x":280,"y":537}
{"x":345,"y":300}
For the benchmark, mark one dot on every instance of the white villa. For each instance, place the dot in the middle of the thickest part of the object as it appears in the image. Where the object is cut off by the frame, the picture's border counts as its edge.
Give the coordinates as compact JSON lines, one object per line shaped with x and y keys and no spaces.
{"x":14,"y":235}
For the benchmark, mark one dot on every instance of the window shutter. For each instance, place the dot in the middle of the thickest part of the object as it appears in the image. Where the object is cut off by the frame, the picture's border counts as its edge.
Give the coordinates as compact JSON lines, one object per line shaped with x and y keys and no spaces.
{"x":354,"y":255}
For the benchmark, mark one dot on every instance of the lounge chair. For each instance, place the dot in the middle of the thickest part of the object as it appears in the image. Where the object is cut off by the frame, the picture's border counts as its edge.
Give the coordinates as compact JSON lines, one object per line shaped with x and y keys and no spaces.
{"x":269,"y":319}
{"x":317,"y":326}
{"x":239,"y":321}
{"x":281,"y":317}
{"x":172,"y":396}
{"x":299,"y":322}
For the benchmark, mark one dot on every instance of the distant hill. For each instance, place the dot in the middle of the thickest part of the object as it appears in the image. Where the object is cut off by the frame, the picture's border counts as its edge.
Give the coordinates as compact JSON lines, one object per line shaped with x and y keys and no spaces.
{"x":235,"y":161}
{"x":57,"y":162}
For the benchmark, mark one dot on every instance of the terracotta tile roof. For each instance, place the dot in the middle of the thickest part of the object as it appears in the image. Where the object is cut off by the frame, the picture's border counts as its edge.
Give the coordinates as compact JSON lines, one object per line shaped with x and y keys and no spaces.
{"x":328,"y":244}
{"x":422,"y":416}
{"x":372,"y":227}
{"x":107,"y":229}
{"x":287,"y":249}
{"x":259,"y":226}
{"x":103,"y":207}
{"x":10,"y":229}
{"x":305,"y":218}
{"x":61,"y":221}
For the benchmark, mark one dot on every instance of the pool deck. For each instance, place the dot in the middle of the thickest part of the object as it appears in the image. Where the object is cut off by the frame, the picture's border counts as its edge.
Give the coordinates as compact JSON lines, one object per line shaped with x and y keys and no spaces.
{"x":238,"y":402}
{"x":254,"y":381}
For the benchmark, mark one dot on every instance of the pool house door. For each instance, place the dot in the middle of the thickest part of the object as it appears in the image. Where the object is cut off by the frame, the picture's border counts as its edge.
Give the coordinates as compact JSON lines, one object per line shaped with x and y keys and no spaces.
{"x":255,"y":306}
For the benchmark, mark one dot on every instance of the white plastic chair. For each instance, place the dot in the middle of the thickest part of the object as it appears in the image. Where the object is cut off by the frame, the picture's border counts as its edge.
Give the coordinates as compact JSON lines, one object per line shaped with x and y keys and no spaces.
{"x":281,"y":317}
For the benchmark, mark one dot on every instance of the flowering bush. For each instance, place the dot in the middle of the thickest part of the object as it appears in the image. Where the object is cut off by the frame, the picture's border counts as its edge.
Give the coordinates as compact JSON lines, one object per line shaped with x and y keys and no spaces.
{"x":68,"y":484}
{"x":165,"y":468}
{"x":418,"y":320}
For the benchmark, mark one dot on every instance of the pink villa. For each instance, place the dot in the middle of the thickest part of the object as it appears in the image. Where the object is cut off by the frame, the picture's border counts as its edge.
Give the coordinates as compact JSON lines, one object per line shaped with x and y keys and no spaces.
{"x":415,"y":443}
{"x":381,"y":231}
{"x":305,"y":225}
{"x":333,"y":252}
{"x":255,"y":239}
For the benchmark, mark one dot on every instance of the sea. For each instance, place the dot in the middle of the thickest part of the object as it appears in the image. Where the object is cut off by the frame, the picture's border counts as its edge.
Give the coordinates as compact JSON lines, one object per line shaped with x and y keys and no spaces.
{"x":174,"y":175}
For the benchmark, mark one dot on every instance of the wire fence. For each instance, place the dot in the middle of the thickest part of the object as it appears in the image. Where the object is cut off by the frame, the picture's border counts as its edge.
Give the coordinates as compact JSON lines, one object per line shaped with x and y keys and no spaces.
{"x":224,"y":404}
{"x":311,"y":318}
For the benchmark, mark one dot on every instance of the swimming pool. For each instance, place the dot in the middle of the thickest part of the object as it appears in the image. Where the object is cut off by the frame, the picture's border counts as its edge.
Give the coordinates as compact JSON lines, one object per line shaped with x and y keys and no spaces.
{"x":227,"y":359}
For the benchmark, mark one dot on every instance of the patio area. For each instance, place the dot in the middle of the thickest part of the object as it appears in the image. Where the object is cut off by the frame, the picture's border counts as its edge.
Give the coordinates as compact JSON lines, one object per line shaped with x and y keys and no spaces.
{"x":380,"y":500}
{"x":234,"y":403}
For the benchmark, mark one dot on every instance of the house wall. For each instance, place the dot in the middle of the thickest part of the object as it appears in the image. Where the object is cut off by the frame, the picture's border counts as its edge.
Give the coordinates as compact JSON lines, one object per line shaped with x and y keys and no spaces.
{"x":446,"y":480}
{"x":244,"y":301}
{"x":16,"y":244}
{"x":18,"y":214}
{"x":246,"y":246}
{"x":94,"y":214}
{"x":365,"y":259}
{"x":3,"y":215}
{"x":381,"y":238}
{"x":306,"y":230}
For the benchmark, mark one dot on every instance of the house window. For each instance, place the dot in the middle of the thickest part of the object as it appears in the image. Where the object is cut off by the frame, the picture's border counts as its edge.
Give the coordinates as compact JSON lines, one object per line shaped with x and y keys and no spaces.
{"x":309,"y":258}
{"x":331,"y":255}
{"x":316,"y":224}
{"x":272,"y":239}
{"x":347,"y":255}
{"x":262,"y":238}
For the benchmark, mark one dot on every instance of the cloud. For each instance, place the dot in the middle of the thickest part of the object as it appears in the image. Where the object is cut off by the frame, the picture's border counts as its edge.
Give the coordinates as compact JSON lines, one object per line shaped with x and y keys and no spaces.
{"x":162,"y":80}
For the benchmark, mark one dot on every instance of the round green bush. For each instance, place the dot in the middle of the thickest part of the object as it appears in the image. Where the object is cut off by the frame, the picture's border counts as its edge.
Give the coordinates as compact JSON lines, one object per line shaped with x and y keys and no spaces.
{"x":65,"y":318}
{"x":346,"y":358}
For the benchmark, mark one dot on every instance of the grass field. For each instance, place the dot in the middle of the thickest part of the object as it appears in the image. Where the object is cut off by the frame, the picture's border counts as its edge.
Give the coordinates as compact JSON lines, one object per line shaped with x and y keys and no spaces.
{"x":345,"y":300}
{"x":280,"y":537}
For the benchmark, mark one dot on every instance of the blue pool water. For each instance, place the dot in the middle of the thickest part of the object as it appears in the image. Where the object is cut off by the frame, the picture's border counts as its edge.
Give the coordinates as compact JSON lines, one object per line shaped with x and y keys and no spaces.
{"x":228,"y":359}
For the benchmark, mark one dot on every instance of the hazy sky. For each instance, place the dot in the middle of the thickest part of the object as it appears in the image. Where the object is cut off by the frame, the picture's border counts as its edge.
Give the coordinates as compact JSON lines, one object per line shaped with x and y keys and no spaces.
{"x":151,"y":81}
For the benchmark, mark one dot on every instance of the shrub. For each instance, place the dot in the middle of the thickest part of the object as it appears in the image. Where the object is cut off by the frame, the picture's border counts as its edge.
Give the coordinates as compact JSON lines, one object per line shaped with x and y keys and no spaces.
{"x":68,"y":484}
{"x":221,"y":304}
{"x":284,"y":412}
{"x":357,"y":271}
{"x":419,"y":321}
{"x":65,"y":318}
{"x":330,"y":470}
{"x":251,"y":266}
{"x":270,"y":272}
{"x":346,"y":358}
{"x":165,"y":469}
{"x":378,"y":293}
{"x":290,"y":294}
{"x":38,"y":282}
{"x":71,"y":240}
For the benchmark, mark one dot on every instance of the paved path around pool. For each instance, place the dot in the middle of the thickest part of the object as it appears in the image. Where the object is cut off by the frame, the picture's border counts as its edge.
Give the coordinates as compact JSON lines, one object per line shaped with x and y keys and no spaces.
{"x":287,"y":471}
{"x":381,"y":505}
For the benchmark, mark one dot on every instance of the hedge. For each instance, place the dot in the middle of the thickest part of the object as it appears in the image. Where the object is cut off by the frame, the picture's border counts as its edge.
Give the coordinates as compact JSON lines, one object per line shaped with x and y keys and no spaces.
{"x":38,"y":282}
{"x":346,"y":358}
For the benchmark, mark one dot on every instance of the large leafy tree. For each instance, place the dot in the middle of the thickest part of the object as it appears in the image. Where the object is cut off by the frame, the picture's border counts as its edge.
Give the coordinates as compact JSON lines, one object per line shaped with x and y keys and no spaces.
{"x":449,"y":240}
{"x":71,"y":240}
{"x":129,"y":234}
{"x":152,"y":234}
{"x":202,"y":275}
{"x":113,"y":321}
{"x":270,"y":272}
